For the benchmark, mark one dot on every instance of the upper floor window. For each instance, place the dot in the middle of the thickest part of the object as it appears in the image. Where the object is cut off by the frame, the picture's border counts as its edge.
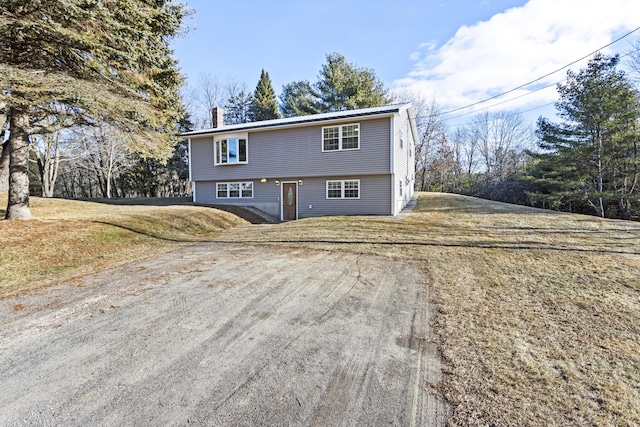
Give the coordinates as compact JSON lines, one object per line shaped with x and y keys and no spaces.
{"x":342,"y":137}
{"x":231,"y":150}
{"x":401,"y":138}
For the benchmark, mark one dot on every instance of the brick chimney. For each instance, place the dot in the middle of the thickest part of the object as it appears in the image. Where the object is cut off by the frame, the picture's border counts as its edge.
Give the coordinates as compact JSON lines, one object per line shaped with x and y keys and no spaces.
{"x":217,"y":117}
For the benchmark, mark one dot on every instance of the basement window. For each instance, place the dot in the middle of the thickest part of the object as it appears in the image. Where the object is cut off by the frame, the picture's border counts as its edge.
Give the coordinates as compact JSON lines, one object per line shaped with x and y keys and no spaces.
{"x":343,"y":189}
{"x":234,"y":190}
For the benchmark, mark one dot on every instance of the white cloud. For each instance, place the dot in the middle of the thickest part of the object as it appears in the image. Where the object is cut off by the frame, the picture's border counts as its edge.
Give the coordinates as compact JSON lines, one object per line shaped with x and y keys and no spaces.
{"x":420,"y":52}
{"x":518,"y":46}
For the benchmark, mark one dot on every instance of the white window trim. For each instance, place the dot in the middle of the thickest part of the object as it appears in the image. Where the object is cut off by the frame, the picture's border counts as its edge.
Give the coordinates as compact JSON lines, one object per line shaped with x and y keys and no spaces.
{"x":340,"y":137}
{"x":342,"y":189}
{"x":240,"y":189}
{"x":238,"y":136}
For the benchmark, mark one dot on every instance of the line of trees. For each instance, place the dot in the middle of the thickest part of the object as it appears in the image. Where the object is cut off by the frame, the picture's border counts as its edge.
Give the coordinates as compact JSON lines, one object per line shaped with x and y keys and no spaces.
{"x":341,"y":85}
{"x":95,"y":161}
{"x":480,"y":158}
{"x":588,"y":162}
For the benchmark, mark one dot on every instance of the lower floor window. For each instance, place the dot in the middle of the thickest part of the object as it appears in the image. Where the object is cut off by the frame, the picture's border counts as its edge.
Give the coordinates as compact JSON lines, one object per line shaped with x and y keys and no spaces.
{"x":343,"y":189}
{"x":234,"y":190}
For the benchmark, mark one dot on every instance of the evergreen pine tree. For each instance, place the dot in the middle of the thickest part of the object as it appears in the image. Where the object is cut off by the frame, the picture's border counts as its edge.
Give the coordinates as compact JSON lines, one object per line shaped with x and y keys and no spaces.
{"x":264,"y":105}
{"x":236,"y":110}
{"x":297,"y":99}
{"x":86,"y":62}
{"x":591,"y":159}
{"x":343,"y":86}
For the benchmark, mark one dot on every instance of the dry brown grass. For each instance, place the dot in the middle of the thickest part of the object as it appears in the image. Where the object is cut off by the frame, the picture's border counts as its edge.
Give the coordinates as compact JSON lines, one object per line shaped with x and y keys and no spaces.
{"x":539,"y":312}
{"x":73,"y":238}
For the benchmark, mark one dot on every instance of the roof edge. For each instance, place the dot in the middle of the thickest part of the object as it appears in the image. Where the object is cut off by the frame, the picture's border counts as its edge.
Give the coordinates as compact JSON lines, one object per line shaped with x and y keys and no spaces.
{"x":302,"y":120}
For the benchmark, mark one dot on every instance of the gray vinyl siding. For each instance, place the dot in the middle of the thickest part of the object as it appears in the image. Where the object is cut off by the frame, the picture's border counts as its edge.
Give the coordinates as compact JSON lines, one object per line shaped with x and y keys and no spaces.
{"x":201,"y":157}
{"x":312,"y":200}
{"x":403,"y":163}
{"x":374,"y":197}
{"x":265,"y":196}
{"x":297,"y":152}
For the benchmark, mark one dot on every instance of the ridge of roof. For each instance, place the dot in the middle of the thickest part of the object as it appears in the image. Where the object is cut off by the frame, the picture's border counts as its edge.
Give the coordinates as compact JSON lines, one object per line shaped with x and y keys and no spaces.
{"x":385,"y":109}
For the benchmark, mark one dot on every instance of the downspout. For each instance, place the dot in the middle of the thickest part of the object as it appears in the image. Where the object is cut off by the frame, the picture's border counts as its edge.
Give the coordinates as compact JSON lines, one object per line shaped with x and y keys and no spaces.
{"x":392,"y":165}
{"x":193,"y":184}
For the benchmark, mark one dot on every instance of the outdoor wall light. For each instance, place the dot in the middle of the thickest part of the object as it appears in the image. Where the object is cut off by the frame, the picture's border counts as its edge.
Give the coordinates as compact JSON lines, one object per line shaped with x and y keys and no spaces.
{"x":277,"y":182}
{"x":300,"y":181}
{"x":263,"y":180}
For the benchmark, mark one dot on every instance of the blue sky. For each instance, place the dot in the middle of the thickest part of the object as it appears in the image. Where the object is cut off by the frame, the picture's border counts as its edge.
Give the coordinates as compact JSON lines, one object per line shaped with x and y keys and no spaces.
{"x":457,"y":52}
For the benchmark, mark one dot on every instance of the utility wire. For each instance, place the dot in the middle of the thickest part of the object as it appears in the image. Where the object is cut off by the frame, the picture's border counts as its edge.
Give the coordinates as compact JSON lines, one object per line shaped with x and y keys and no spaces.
{"x":519,"y":96}
{"x":505,"y":101}
{"x":540,"y":78}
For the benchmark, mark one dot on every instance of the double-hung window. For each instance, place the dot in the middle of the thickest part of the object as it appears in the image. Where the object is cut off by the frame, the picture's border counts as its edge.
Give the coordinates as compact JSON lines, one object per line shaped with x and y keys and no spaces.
{"x":231,"y":150}
{"x":341,"y":137}
{"x":234,"y":190}
{"x":343,"y":189}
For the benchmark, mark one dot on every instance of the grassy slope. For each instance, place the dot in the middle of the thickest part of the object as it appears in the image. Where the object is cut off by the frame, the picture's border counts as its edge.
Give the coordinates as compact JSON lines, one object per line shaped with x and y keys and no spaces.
{"x":74,"y":238}
{"x":539,"y":312}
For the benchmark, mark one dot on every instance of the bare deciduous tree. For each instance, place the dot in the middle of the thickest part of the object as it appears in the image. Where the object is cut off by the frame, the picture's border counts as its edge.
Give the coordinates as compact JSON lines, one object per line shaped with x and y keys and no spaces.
{"x":500,"y":138}
{"x":47,"y":151}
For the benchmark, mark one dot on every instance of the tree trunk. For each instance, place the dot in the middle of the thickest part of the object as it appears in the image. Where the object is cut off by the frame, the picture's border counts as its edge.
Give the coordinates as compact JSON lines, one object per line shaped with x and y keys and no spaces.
{"x":600,"y":173}
{"x":4,"y":166}
{"x":4,"y":154}
{"x":18,"y":201}
{"x":48,"y":163}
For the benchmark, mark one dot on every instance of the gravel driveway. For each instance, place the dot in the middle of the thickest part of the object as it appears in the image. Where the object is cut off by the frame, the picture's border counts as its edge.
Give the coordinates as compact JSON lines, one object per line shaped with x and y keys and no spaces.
{"x":219,"y":334}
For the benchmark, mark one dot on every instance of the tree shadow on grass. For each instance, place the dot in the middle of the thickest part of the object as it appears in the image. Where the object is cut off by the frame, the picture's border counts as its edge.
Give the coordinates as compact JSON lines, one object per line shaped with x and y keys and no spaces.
{"x":239,"y":211}
{"x":521,"y":246}
{"x":148,"y":234}
{"x":515,"y":246}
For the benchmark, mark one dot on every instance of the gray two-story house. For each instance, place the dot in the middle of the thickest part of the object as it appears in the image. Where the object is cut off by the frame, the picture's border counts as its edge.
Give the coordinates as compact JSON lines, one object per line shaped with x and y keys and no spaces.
{"x":356,"y":162}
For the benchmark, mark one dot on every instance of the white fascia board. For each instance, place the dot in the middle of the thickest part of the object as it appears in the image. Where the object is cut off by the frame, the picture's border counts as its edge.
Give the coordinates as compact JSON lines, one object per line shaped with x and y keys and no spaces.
{"x":189,"y":148}
{"x":338,"y":116}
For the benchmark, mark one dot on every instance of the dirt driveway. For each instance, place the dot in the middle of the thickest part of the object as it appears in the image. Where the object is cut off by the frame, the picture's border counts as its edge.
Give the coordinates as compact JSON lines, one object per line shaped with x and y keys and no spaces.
{"x":220,"y":334}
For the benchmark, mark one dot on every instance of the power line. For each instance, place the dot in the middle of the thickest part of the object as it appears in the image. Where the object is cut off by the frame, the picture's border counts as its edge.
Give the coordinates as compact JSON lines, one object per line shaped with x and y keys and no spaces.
{"x":540,"y":78}
{"x":505,"y":101}
{"x":519,"y":96}
{"x":457,"y":125}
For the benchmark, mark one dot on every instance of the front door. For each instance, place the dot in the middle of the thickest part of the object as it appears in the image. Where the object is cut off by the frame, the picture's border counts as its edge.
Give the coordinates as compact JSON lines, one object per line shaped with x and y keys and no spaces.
{"x":289,"y":201}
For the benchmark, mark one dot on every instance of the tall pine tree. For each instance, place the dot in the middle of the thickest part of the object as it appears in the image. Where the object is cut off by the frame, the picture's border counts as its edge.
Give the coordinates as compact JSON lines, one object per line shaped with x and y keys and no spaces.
{"x":105,"y":61}
{"x":297,"y":99}
{"x":264,"y":105}
{"x":236,"y":109}
{"x":591,"y":160}
{"x":343,"y":86}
